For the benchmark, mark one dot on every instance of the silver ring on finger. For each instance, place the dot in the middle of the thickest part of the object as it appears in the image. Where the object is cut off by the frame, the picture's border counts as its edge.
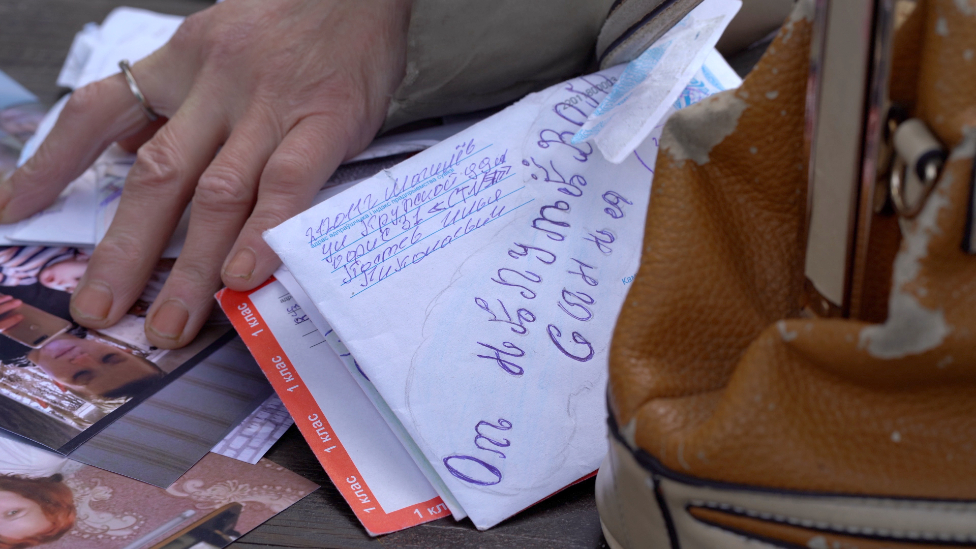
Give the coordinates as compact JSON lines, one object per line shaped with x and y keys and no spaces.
{"x":127,"y":71}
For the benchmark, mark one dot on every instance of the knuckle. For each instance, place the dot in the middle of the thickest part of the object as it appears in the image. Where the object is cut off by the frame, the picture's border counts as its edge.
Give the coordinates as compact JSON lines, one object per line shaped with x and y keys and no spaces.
{"x":118,"y":248}
{"x":155,"y":166}
{"x":188,"y":33}
{"x":263,"y":219}
{"x":221,"y":190}
{"x":349,"y":97}
{"x":83,"y":100}
{"x":227,"y":41}
{"x":291,"y":166}
{"x":36,"y":170}
{"x":197,"y":273}
{"x":354,"y":86}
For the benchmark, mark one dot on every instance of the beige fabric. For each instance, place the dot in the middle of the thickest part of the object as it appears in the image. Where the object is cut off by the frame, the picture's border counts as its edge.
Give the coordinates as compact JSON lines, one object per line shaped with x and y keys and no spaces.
{"x":619,"y":42}
{"x":464,"y":55}
{"x":623,"y":15}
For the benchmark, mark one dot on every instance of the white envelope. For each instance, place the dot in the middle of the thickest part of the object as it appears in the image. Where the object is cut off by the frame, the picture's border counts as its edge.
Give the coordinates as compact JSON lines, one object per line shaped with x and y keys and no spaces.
{"x":477,"y":285}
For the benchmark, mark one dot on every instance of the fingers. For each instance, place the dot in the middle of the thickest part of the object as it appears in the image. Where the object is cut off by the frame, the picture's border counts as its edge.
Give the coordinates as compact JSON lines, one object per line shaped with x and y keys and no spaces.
{"x":296,"y":171}
{"x":95,"y":116}
{"x":8,"y":303}
{"x":92,"y":111}
{"x":132,"y":143}
{"x":155,"y":194}
{"x":8,"y":319}
{"x":221,"y":203}
{"x":9,"y":322}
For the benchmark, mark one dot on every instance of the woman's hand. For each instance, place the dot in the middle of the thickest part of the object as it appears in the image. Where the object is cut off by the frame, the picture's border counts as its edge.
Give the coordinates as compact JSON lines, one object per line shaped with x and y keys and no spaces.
{"x":8,"y":304}
{"x":263,"y":100}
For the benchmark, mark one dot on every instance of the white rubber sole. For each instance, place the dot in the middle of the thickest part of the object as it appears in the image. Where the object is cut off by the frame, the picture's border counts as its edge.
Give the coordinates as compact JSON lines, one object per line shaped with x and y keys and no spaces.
{"x":643,"y":505}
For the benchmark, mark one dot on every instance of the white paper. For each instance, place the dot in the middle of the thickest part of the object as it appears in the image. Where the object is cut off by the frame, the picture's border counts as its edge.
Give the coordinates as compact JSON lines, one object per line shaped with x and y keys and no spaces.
{"x":427,"y":336}
{"x":5,"y":232}
{"x":12,"y":93}
{"x":85,"y":41}
{"x":416,"y":331}
{"x":253,"y":437}
{"x":652,"y":82}
{"x":385,"y":466}
{"x":126,"y":33}
{"x":505,"y":220}
{"x":392,"y":421}
{"x":412,"y":141}
{"x":70,"y":221}
{"x":83,"y":212}
{"x":67,"y":222}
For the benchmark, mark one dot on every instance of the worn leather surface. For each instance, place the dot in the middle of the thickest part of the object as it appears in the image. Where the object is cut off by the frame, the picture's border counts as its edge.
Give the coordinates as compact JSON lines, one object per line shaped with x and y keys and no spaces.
{"x":712,"y":370}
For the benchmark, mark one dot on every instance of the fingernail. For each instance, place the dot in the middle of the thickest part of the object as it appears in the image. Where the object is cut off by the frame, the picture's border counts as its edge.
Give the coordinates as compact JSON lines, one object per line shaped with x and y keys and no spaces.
{"x":92,"y":301}
{"x":170,"y":319}
{"x":242,"y":265}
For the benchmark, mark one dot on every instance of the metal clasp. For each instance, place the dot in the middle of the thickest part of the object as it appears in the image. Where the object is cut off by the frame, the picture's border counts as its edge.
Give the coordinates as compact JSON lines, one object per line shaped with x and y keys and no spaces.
{"x":915,"y":167}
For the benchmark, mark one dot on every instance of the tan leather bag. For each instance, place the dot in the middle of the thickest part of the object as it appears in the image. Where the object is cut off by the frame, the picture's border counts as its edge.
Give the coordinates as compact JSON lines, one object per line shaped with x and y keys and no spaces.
{"x":736,"y":422}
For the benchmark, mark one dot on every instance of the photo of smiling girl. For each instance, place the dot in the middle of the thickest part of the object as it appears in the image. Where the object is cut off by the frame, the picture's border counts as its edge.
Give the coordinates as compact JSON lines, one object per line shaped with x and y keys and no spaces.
{"x":36,"y":507}
{"x":34,"y":511}
{"x":58,"y":268}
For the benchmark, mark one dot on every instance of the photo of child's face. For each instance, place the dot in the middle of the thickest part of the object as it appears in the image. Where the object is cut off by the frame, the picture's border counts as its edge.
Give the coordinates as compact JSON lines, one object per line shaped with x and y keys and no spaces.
{"x":20,"y":517}
{"x":64,"y":276}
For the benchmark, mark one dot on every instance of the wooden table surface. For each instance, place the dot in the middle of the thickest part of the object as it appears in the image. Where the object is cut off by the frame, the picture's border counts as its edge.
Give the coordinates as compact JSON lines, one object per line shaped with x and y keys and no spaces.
{"x":34,"y":38}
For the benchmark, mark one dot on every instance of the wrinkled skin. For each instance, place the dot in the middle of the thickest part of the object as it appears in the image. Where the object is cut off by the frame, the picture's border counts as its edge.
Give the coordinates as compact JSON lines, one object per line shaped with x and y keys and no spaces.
{"x":262,"y":100}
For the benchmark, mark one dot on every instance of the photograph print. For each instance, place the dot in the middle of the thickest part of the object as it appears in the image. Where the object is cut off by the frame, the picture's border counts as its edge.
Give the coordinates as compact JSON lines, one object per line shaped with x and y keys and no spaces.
{"x":60,"y":382}
{"x":49,"y":501}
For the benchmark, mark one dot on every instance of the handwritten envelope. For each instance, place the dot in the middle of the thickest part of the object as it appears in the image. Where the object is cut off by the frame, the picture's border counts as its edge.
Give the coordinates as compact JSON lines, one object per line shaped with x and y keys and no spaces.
{"x":477,"y":285}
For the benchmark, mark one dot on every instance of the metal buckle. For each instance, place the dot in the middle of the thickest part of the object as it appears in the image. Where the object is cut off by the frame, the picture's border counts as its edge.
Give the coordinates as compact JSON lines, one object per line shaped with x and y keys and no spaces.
{"x":917,"y":160}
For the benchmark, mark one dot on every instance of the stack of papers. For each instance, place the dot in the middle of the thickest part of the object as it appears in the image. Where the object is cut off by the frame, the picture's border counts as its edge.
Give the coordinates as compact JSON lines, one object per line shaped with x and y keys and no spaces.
{"x":470,"y":293}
